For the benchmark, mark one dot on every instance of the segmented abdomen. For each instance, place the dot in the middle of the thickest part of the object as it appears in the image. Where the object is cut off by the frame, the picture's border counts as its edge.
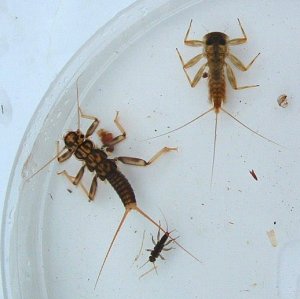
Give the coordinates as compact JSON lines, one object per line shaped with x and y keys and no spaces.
{"x":121,"y":186}
{"x":217,"y":90}
{"x":216,"y":83}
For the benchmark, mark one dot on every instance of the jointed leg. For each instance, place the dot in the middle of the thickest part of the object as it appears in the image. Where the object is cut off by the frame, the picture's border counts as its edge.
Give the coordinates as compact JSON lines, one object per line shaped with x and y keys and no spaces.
{"x":77,"y":181}
{"x":167,"y":243}
{"x":170,"y":241}
{"x":190,"y":63}
{"x":161,"y":257}
{"x":192,"y":42}
{"x":63,"y":157}
{"x":232,"y":79}
{"x":240,"y":40}
{"x":93,"y":188}
{"x":141,"y":162}
{"x":167,"y":249}
{"x":71,"y":179}
{"x":93,"y":126}
{"x":118,"y":138}
{"x":239,"y":64}
{"x":158,"y":233}
{"x":153,"y":240}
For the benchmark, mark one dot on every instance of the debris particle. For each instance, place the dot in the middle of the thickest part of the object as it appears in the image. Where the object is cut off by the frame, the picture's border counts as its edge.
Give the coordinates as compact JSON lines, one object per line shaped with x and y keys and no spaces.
{"x":69,"y":190}
{"x":253,"y":174}
{"x":282,"y":101}
{"x":272,"y":237}
{"x":51,"y":196}
{"x":2,"y":110}
{"x":106,"y":138}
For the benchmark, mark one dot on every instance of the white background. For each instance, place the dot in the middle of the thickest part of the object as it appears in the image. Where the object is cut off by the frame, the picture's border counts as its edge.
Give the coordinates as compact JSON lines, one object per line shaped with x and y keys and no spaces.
{"x":37,"y":39}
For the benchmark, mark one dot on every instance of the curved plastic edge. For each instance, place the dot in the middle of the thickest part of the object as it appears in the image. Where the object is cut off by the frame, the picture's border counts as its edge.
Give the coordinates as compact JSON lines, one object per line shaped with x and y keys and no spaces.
{"x":114,"y":27}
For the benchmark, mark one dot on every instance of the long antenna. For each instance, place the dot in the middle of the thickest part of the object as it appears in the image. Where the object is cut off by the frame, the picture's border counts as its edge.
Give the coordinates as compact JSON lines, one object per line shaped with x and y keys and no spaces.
{"x":43,"y":167}
{"x":144,"y":264}
{"x":158,"y":226}
{"x":263,"y":137}
{"x":78,"y":108}
{"x":191,"y":121}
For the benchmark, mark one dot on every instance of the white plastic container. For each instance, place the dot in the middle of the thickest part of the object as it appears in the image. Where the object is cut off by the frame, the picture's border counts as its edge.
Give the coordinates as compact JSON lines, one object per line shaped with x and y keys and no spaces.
{"x":54,"y":240}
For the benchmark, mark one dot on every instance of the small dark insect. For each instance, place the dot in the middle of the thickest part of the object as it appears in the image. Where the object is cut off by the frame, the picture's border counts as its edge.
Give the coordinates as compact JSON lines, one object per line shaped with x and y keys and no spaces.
{"x":159,"y":246}
{"x":69,"y":190}
{"x":96,"y":160}
{"x":2,"y":109}
{"x":51,"y":196}
{"x":253,"y":174}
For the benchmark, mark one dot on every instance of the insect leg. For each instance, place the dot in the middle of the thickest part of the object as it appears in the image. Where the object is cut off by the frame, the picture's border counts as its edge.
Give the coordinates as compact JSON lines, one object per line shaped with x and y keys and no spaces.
{"x":168,"y":242}
{"x":161,"y":257}
{"x":64,"y":156}
{"x":167,"y":249}
{"x":71,"y":179}
{"x":118,"y":138}
{"x":158,"y":233}
{"x":141,"y":162}
{"x":239,"y":64}
{"x":192,"y":42}
{"x":240,"y":40}
{"x":93,"y":188}
{"x":232,"y":79}
{"x":154,"y":243}
{"x":193,"y":61}
{"x":93,"y":126}
{"x":79,"y":175}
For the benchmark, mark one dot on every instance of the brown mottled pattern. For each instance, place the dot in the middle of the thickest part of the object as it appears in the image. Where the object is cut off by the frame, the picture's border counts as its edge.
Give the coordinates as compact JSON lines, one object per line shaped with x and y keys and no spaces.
{"x":84,"y":149}
{"x":216,"y":83}
{"x":121,"y":186}
{"x":216,"y":50}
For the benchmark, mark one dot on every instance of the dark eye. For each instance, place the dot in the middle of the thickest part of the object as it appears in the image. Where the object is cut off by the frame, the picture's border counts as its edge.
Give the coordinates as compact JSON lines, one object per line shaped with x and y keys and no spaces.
{"x":81,"y":136}
{"x":209,"y":42}
{"x":222,"y":42}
